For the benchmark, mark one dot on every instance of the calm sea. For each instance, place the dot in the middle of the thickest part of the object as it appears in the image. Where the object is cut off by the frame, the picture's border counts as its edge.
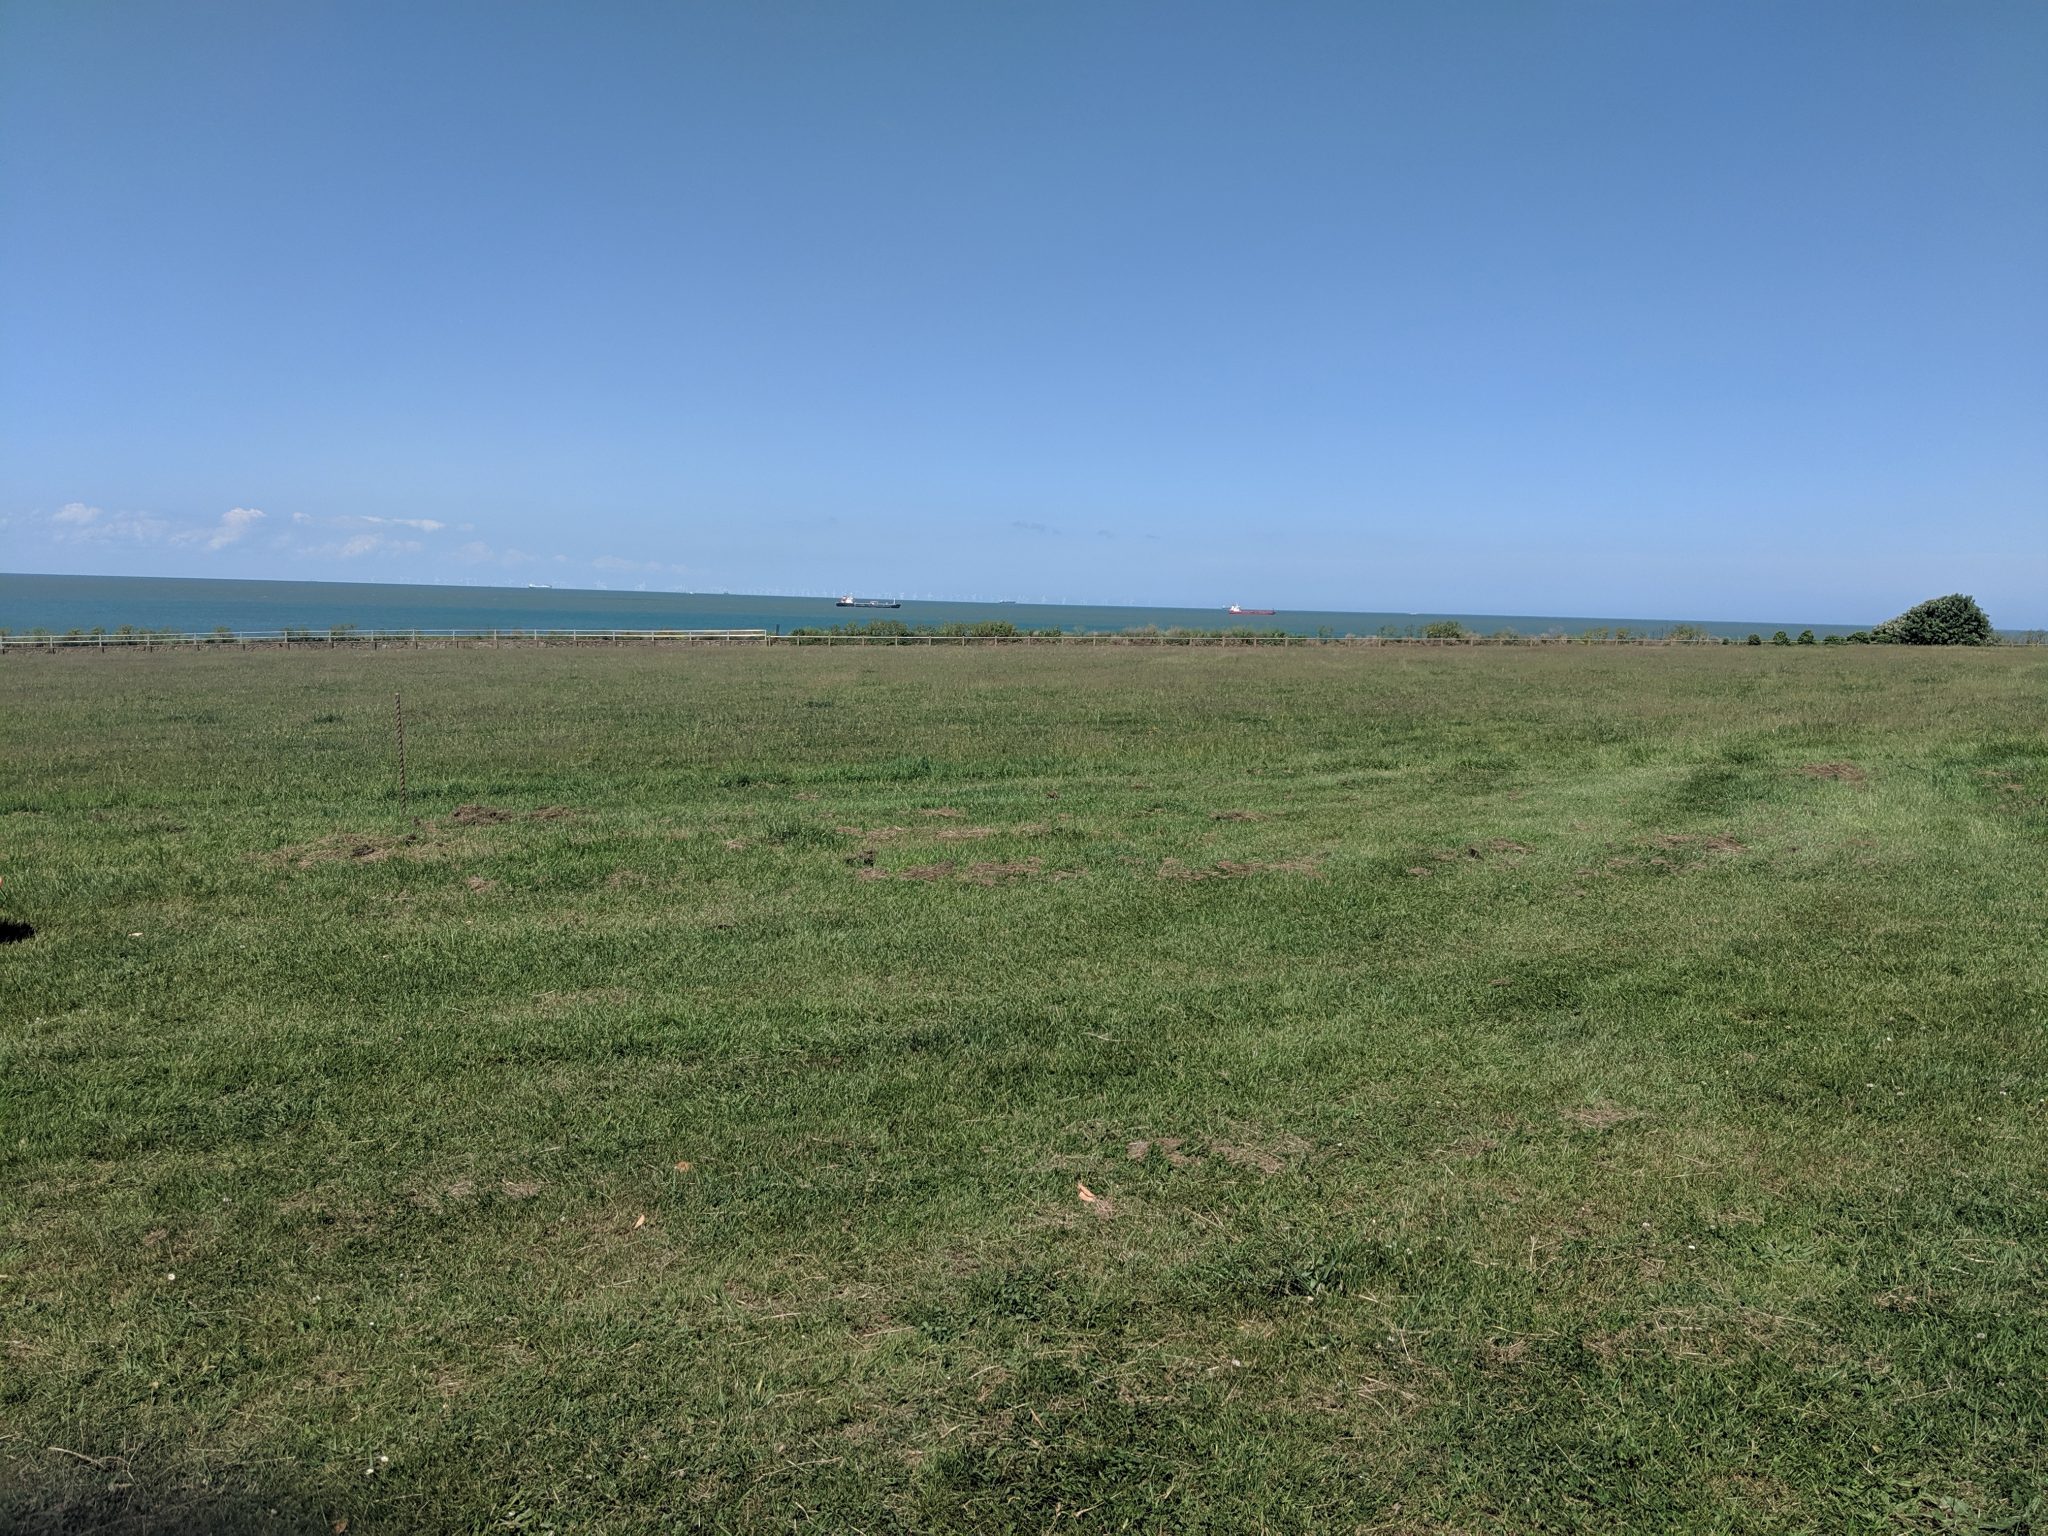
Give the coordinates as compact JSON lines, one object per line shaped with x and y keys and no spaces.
{"x":193,"y":606}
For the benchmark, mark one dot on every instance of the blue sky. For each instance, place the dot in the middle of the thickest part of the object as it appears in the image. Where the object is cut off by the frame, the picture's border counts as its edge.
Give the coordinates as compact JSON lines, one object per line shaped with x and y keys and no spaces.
{"x":1687,"y":310}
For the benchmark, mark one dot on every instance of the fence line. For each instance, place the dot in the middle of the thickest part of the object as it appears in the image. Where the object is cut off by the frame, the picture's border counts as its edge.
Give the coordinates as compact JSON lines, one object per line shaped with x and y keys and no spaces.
{"x":413,"y":639}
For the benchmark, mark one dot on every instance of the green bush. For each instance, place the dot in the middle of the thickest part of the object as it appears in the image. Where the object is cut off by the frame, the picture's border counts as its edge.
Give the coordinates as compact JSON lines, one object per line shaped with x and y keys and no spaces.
{"x":1805,"y":637}
{"x":1443,"y":629}
{"x":1779,"y":637}
{"x":1951,"y":620}
{"x":1755,"y":639}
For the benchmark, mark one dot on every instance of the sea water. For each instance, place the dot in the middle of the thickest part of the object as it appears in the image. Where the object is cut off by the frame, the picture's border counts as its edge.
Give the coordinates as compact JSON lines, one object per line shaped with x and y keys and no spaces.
{"x":198,"y":606}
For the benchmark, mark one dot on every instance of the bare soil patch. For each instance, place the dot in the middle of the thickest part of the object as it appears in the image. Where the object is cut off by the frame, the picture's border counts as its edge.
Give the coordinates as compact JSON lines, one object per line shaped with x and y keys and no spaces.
{"x":491,"y":815}
{"x":997,"y":872}
{"x":1268,"y":1156}
{"x":352,"y":847}
{"x":1169,"y":1147}
{"x":1471,"y":1147}
{"x":1235,"y":816}
{"x":1716,"y":843}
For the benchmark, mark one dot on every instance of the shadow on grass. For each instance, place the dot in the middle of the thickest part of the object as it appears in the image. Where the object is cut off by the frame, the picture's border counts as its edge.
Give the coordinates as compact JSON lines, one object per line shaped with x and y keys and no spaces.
{"x":13,"y":932}
{"x":76,"y":1508}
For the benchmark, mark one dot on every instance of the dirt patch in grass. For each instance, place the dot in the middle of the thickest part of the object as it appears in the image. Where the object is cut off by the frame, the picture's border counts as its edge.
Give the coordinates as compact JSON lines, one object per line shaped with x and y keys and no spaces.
{"x":479,"y":884}
{"x":1716,"y":843}
{"x":941,"y":810}
{"x":1169,"y":1147}
{"x":997,"y":872}
{"x":1504,"y":1354}
{"x":874,"y":834}
{"x":1239,"y":869}
{"x":1266,"y":1155}
{"x":1248,"y":1157}
{"x":1475,"y":851}
{"x":1602,"y":1116}
{"x":1471,"y":1147}
{"x":1700,"y":1333}
{"x":354,"y":848}
{"x":448,"y":1195}
{"x":963,"y":834}
{"x":1845,"y":773}
{"x":491,"y":815}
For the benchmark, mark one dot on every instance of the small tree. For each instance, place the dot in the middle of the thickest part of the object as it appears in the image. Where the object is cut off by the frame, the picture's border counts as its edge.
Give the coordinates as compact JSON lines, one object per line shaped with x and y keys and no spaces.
{"x":1443,"y":629}
{"x":1951,"y":620}
{"x":1781,"y":638}
{"x":1754,"y":639}
{"x":1806,"y":637}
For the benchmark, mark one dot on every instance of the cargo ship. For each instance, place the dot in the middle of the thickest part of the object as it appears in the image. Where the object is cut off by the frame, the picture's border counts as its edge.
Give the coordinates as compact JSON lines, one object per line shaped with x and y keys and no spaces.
{"x":867,"y":602}
{"x":1250,"y":613}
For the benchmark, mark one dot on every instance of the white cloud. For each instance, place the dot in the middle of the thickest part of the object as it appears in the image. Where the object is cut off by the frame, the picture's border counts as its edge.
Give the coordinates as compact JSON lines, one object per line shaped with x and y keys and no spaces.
{"x":234,"y":523}
{"x":367,"y":544}
{"x":342,"y":536}
{"x":77,"y":523}
{"x":423,"y":524}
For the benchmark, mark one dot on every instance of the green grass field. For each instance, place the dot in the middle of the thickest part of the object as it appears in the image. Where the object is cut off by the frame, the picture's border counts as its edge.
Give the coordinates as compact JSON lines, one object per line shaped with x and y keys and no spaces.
{"x":1569,"y":1090}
